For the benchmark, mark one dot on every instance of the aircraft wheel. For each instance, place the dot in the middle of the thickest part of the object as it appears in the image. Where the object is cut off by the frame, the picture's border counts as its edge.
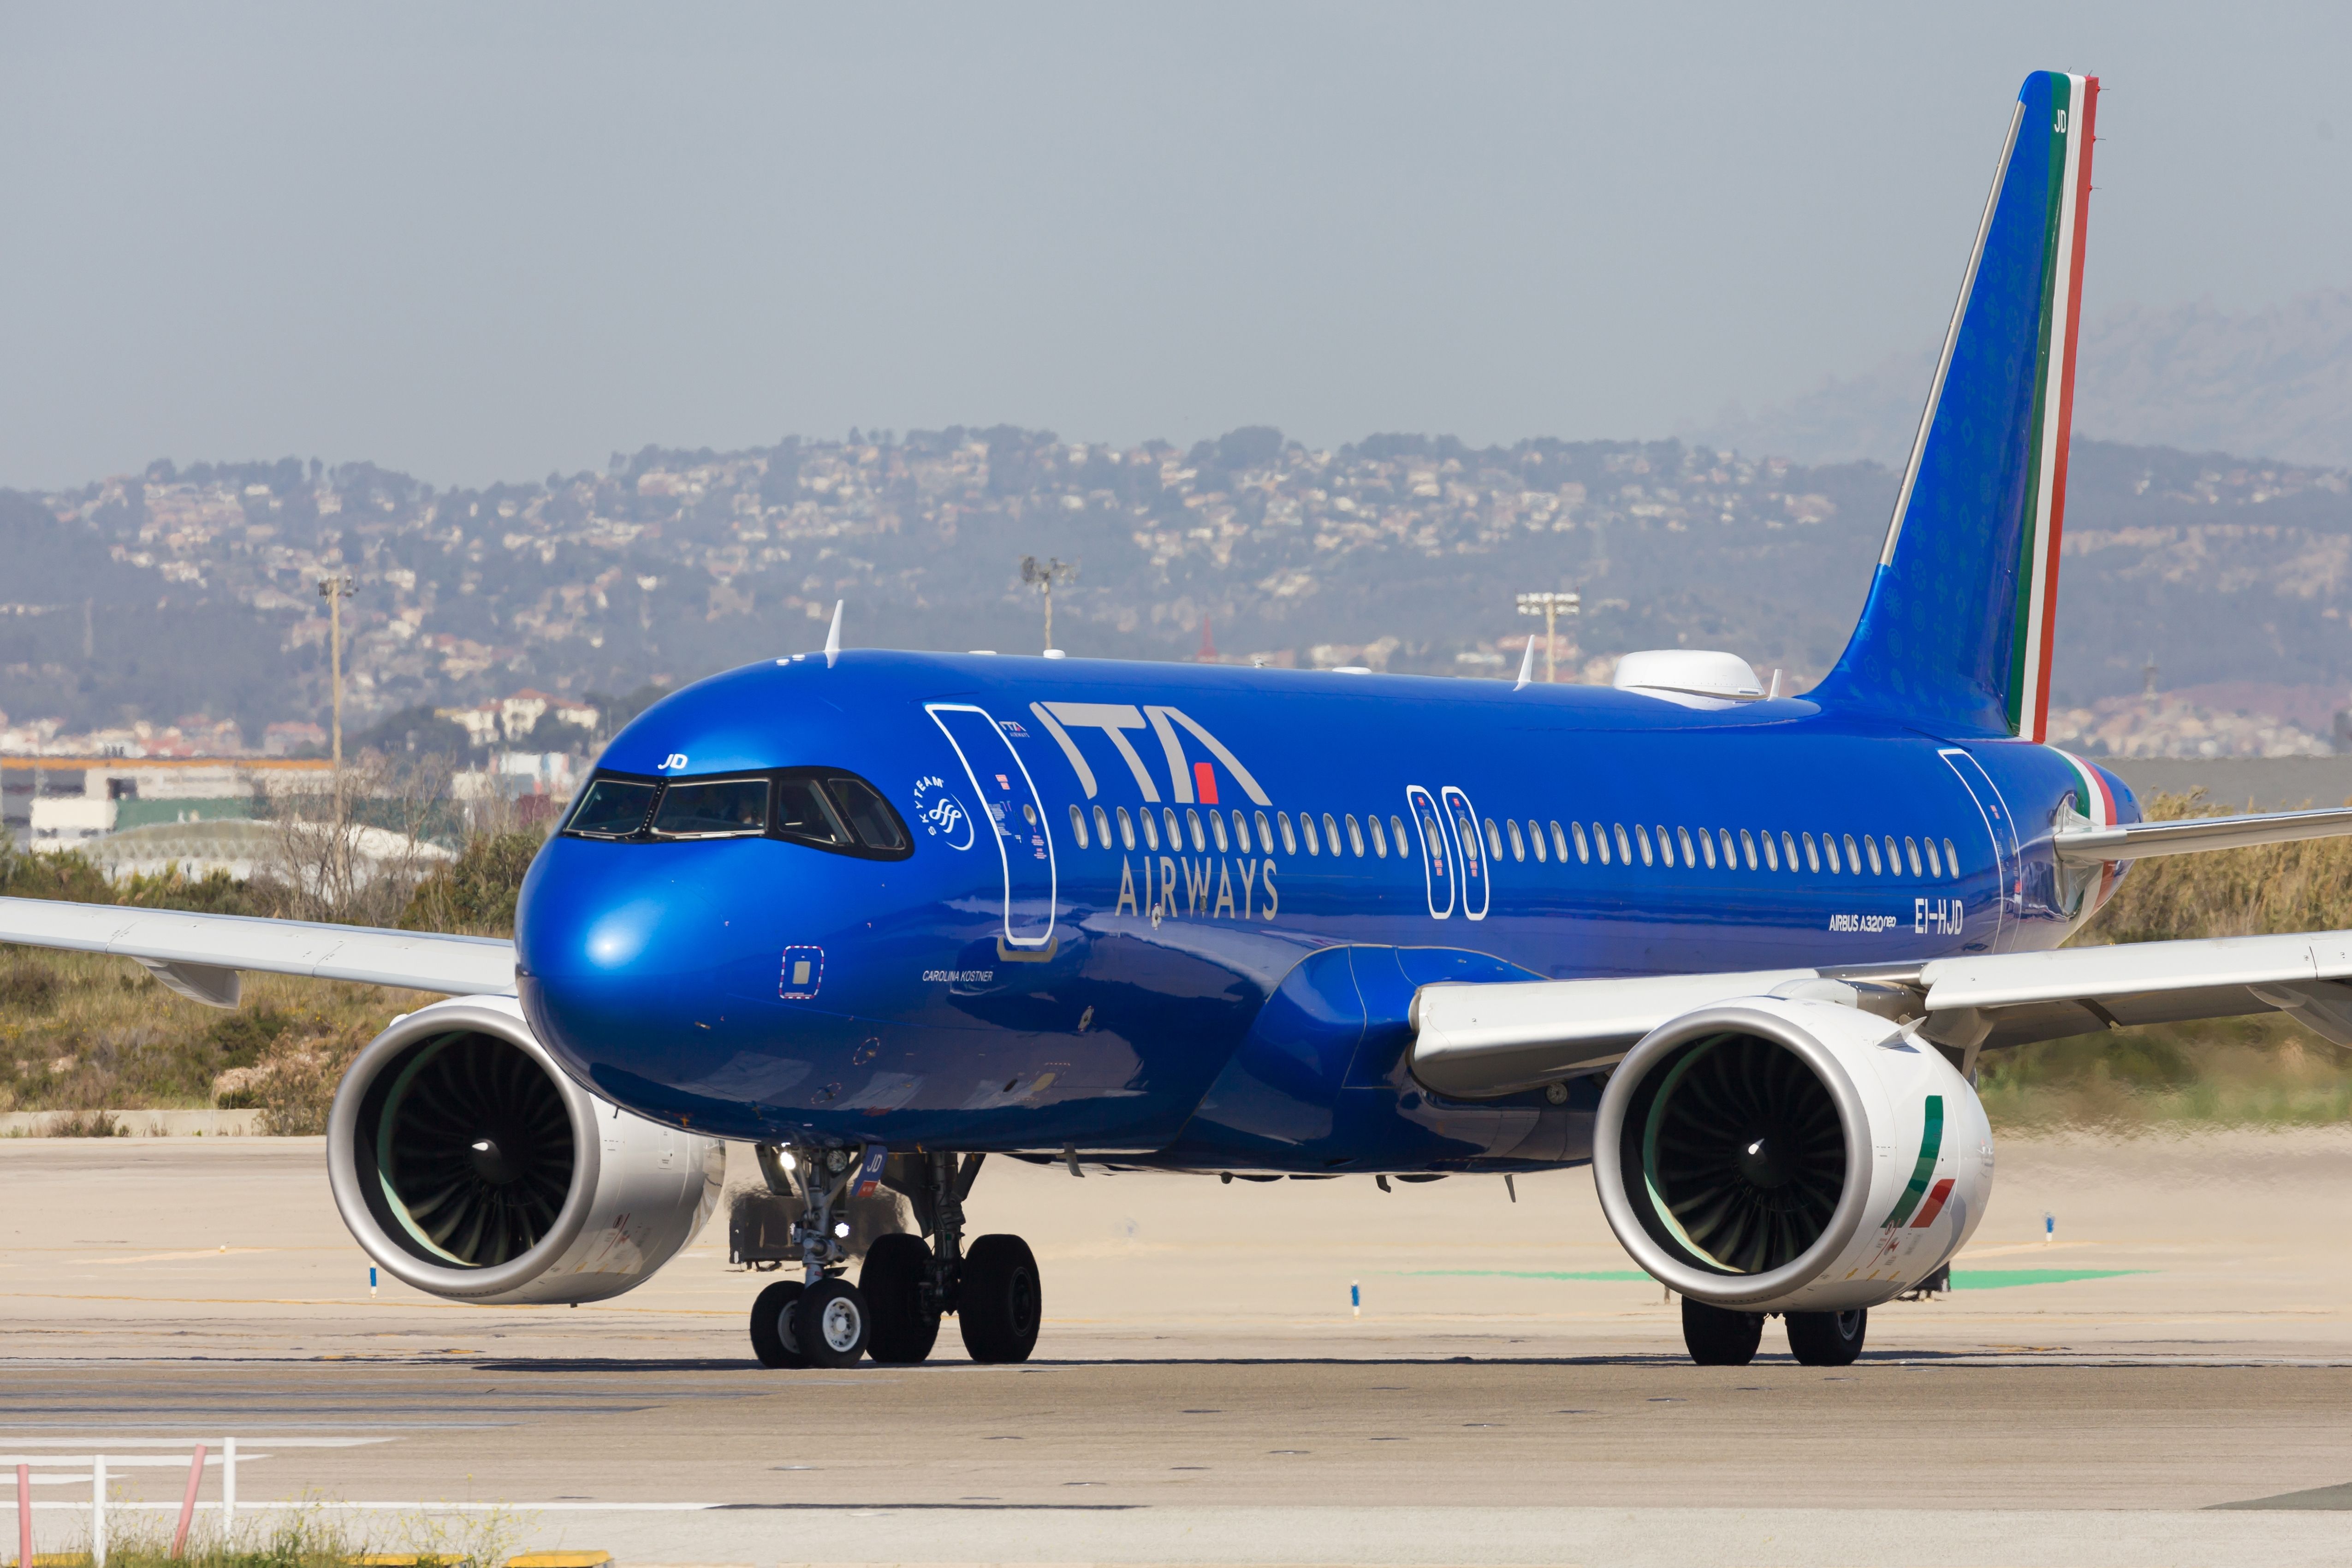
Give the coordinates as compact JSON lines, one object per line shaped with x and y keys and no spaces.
{"x":999,"y":1305}
{"x":832,"y":1323}
{"x":1827,"y":1338}
{"x":905,"y":1326}
{"x":1720,"y":1336}
{"x":772,"y":1339}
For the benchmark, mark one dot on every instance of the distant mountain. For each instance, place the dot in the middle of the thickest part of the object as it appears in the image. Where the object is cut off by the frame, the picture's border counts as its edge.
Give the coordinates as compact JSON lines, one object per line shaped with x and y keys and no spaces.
{"x":2273,"y":383}
{"x":189,"y":595}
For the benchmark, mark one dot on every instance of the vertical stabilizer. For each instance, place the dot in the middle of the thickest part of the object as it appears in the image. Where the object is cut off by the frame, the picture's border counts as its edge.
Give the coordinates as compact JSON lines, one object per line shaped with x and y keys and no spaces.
{"x":1956,"y":632}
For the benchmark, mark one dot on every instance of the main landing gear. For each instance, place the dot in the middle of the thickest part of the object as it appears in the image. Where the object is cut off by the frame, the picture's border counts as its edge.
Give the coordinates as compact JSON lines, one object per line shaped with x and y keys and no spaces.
{"x":907,"y":1286}
{"x":1722,"y":1336}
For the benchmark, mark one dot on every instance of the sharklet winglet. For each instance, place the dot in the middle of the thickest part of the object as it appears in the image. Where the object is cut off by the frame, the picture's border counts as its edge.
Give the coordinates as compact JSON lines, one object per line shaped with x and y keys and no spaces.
{"x":833,"y":637}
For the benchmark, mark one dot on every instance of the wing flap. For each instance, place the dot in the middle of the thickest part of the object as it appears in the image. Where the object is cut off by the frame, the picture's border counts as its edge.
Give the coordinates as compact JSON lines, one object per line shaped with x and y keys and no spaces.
{"x":190,"y":944}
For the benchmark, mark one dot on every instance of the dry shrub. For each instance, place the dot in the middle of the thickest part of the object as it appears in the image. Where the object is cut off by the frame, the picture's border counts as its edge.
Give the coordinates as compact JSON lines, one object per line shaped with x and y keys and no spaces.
{"x":2272,"y":887}
{"x":84,"y":1124}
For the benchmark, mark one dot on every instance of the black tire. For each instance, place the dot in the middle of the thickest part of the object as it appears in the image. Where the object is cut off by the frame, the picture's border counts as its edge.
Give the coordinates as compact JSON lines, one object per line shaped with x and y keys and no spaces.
{"x":833,"y":1323}
{"x":772,"y":1339}
{"x":905,"y":1326}
{"x":1828,"y":1339}
{"x":999,"y":1304}
{"x":1720,"y":1336}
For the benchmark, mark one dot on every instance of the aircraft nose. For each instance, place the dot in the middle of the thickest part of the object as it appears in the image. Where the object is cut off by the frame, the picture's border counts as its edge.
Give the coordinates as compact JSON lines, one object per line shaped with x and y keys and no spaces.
{"x":619,"y":946}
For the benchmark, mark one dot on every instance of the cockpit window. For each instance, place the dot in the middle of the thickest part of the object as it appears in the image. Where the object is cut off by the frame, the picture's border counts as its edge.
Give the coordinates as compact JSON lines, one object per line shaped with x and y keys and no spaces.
{"x":870,"y":817}
{"x":613,"y":808}
{"x":710,"y":808}
{"x":824,"y":807}
{"x":803,"y":813}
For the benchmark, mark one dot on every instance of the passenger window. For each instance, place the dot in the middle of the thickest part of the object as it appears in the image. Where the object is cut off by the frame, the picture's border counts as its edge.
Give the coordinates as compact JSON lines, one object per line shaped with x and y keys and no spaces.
{"x":1494,"y":841}
{"x":1102,"y":827}
{"x":1331,"y":832}
{"x":718,"y":808}
{"x":1624,"y":845}
{"x":1730,"y":856}
{"x":1432,"y":835}
{"x":1379,"y":836}
{"x":1151,"y":829}
{"x":613,"y":808}
{"x":1355,"y":836}
{"x":1642,"y":836}
{"x":1241,"y":831}
{"x":1558,"y":843}
{"x":1175,"y":831}
{"x":1788,"y":851}
{"x":1894,"y":858}
{"x":1682,"y":838}
{"x":1078,"y":826}
{"x":1771,"y":855}
{"x":1217,"y":826}
{"x":1519,"y":844}
{"x":1665,"y":845}
{"x":1192,"y":819}
{"x":1911,"y":853}
{"x":1265,"y":835}
{"x":1536,"y":841}
{"x":1748,"y":847}
{"x":1126,"y":828}
{"x":1583,"y":850}
{"x":1870,"y":846}
{"x":1306,"y":831}
{"x":1707,"y":846}
{"x":1853,"y":858}
{"x":1951,"y":859}
{"x":1290,"y":843}
{"x":1813,"y":854}
{"x":1396,"y":827}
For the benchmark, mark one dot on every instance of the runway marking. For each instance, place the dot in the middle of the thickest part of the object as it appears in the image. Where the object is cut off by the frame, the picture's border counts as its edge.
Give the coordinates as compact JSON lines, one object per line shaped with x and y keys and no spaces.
{"x":2003,"y":1278}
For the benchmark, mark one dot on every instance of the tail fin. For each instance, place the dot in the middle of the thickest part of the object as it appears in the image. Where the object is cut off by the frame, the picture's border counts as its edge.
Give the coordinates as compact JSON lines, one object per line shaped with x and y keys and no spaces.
{"x":1956,"y":631}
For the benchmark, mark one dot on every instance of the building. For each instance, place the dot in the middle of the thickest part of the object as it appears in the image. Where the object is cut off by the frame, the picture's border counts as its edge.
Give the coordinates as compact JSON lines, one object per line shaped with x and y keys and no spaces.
{"x":65,"y":803}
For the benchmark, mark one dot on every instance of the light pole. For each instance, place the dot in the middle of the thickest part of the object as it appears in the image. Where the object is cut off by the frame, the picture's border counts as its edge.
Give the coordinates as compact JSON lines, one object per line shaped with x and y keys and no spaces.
{"x":1551,"y":605}
{"x":1045,"y":574}
{"x":335,"y":590}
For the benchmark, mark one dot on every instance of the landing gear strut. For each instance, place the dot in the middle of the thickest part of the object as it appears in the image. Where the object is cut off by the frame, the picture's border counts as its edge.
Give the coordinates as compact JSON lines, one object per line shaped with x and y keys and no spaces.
{"x":892,"y":1313}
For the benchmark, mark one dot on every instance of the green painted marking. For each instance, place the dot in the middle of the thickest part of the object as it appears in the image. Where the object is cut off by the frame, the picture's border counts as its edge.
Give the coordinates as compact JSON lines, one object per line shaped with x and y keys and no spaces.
{"x":2002,"y":1278}
{"x":1931,"y":1144}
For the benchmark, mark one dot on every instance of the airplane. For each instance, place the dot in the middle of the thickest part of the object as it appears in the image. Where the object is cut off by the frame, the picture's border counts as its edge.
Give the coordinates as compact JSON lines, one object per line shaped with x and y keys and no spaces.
{"x":884,"y":915}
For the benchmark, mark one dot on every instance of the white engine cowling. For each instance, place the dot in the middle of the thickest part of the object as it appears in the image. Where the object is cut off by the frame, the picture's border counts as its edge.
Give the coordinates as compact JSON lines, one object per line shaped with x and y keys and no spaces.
{"x":467,"y":1163}
{"x":1778,"y":1154}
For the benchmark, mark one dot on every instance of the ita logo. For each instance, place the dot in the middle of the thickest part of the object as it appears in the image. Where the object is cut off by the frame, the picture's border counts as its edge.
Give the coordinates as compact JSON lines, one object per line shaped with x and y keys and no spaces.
{"x":943,"y":816}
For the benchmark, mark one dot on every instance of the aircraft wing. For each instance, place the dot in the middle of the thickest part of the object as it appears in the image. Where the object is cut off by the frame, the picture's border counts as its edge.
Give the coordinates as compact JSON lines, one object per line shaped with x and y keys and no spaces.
{"x":1472,"y":1040}
{"x":201,"y":956}
{"x":2195,"y":834}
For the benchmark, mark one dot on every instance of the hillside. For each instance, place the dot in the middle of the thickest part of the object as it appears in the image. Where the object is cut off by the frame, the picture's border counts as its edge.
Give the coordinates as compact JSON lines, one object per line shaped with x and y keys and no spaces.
{"x":195,"y":588}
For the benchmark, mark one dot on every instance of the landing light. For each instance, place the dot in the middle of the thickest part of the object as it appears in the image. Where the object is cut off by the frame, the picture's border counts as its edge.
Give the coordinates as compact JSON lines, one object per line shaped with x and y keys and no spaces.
{"x":841,"y":1229}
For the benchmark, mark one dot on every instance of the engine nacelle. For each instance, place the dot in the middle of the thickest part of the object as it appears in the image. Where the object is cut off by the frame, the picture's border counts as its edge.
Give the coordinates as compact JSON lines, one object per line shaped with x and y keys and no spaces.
{"x":1778,"y":1154}
{"x":467,"y":1163}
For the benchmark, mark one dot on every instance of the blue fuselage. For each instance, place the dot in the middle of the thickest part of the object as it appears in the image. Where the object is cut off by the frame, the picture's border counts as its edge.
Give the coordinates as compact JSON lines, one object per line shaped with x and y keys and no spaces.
{"x":1211,"y":993}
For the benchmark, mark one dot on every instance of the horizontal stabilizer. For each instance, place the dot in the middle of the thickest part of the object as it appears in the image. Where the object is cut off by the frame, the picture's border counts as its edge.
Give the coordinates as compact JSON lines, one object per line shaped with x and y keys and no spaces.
{"x":2196,"y":834}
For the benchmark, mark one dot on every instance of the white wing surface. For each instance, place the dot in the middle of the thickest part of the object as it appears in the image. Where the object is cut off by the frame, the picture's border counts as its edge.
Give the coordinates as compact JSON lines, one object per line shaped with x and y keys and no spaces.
{"x":200,"y":956}
{"x":1472,"y":1040}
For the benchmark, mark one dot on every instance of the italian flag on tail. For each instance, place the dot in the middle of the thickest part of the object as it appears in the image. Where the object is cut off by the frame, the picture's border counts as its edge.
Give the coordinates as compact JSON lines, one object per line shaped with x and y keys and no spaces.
{"x":2074,"y":101}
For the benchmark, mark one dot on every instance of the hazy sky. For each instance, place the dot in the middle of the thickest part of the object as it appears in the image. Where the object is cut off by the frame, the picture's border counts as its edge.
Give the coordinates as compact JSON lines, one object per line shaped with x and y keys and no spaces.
{"x":476,"y":243}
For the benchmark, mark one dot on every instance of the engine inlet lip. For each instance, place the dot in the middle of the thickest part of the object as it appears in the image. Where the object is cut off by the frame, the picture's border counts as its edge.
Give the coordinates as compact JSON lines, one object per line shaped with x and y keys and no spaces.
{"x":1607,"y":1168}
{"x":348,"y":1181}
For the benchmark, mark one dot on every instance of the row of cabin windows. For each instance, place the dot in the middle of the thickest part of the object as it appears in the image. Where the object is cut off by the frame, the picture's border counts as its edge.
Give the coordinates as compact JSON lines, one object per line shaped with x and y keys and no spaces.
{"x":1144,"y":829}
{"x":1886,"y":856}
{"x":1368,"y":836}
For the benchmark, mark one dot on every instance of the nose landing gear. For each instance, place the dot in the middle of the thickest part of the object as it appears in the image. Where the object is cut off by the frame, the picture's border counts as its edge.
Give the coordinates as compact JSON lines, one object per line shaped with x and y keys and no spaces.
{"x":892,"y":1313}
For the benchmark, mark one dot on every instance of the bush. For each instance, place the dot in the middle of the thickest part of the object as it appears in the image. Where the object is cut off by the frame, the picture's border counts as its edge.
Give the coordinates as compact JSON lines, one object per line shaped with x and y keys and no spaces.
{"x":475,"y":894}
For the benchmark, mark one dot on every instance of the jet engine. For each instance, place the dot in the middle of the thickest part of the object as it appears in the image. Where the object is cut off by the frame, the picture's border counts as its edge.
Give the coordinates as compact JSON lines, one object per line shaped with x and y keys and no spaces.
{"x":467,"y":1163}
{"x":1790,"y":1154}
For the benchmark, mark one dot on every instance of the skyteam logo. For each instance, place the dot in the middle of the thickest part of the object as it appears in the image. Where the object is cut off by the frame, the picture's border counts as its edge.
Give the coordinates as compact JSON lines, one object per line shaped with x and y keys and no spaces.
{"x":943,"y":816}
